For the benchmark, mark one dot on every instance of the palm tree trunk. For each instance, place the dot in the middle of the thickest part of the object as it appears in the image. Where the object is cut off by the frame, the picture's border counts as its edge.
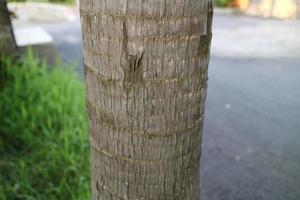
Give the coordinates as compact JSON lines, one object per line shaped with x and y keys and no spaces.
{"x":146,"y":71}
{"x":7,"y":40}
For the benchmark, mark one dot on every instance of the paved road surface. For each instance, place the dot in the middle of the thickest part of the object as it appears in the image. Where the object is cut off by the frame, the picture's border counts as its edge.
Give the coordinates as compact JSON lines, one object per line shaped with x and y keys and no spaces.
{"x":252,"y":126}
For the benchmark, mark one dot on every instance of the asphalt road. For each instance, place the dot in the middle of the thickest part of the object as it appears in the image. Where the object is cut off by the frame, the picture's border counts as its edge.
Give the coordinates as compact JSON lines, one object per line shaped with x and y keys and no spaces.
{"x":252,"y":126}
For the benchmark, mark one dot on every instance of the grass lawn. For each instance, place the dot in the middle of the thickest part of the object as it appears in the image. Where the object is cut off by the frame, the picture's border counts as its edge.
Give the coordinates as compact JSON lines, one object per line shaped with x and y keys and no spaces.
{"x":43,"y":133}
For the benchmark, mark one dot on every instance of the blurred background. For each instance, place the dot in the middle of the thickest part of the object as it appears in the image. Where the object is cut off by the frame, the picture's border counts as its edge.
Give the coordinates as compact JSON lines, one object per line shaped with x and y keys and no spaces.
{"x":251,"y":146}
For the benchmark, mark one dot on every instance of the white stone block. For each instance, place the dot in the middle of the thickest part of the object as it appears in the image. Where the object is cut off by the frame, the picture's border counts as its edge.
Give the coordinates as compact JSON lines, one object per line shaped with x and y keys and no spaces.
{"x":28,"y":36}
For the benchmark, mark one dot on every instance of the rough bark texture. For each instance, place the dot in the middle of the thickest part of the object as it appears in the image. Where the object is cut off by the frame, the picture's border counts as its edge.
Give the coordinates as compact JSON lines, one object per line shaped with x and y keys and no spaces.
{"x":275,"y":8}
{"x":7,"y":41}
{"x":146,"y":71}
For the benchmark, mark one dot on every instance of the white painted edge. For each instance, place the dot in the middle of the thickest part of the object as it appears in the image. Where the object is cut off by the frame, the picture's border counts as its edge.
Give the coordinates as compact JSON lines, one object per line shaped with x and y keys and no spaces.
{"x":27,"y":36}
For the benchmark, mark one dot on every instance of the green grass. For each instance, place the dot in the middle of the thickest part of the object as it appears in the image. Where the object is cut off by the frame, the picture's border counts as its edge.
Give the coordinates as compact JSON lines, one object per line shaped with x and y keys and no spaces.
{"x":43,"y":133}
{"x":222,"y":3}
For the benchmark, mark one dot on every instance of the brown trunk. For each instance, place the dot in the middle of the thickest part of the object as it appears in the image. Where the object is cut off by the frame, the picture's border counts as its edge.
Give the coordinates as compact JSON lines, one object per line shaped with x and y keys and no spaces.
{"x":146,"y":71}
{"x":275,"y":8}
{"x":7,"y":41}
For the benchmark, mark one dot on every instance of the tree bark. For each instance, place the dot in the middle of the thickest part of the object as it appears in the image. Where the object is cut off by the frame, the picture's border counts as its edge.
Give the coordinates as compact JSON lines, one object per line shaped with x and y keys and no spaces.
{"x":146,"y":67}
{"x":7,"y":40}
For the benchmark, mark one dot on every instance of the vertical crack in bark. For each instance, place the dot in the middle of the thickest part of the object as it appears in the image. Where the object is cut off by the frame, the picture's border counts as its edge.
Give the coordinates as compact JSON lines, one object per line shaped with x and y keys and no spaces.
{"x":132,"y":65}
{"x":98,"y":187}
{"x":209,"y":17}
